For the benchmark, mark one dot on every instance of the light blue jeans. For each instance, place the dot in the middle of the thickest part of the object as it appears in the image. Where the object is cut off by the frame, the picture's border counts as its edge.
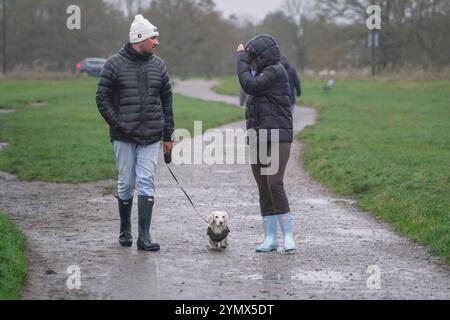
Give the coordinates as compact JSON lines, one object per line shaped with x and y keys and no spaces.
{"x":136,"y":166}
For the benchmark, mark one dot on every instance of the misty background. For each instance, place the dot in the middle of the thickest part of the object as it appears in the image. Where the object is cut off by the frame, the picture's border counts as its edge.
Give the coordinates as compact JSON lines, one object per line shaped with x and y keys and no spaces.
{"x":197,"y":39}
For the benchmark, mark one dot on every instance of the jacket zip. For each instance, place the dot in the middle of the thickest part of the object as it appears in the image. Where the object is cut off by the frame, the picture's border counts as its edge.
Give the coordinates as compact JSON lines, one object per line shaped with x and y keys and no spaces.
{"x":142,"y":92}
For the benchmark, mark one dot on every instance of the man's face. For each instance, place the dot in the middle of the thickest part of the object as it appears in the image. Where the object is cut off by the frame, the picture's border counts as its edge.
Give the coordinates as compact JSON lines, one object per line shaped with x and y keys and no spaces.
{"x":149,"y":46}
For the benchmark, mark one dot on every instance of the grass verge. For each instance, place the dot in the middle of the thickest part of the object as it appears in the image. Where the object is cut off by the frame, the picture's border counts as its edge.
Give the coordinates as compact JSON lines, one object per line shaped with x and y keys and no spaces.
{"x":387,"y":144}
{"x":13,"y":260}
{"x":58,"y":135}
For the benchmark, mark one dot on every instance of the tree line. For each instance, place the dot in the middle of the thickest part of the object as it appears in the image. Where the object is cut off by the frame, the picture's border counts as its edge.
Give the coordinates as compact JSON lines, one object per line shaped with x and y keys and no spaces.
{"x":196,"y":40}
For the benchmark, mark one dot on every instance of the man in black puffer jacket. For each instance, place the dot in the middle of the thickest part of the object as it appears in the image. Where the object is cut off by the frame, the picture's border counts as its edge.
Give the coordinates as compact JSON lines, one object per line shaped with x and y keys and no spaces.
{"x":294,"y":81}
{"x":134,"y":97}
{"x":268,"y":108}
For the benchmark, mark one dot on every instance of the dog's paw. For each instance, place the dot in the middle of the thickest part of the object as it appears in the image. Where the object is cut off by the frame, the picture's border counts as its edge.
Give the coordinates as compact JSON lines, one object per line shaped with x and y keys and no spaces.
{"x":213,"y":246}
{"x":224,"y":244}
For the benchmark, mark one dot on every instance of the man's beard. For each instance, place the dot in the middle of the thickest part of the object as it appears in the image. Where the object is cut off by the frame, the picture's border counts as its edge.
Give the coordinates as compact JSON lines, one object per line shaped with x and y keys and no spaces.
{"x":148,"y":52}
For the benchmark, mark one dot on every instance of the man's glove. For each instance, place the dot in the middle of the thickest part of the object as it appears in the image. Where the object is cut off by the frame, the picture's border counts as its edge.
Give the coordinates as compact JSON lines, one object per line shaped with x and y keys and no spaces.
{"x":168,"y":157}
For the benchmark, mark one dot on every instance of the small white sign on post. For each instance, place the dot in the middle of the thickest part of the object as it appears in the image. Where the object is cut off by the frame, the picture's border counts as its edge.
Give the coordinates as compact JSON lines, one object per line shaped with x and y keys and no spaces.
{"x":373,"y":39}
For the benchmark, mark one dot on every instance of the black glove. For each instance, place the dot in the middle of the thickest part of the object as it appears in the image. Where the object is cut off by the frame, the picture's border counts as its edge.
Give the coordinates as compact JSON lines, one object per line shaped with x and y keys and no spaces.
{"x":168,"y":157}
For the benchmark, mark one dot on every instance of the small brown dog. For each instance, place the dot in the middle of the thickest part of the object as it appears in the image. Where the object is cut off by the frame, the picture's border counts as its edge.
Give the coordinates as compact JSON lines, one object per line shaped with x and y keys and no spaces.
{"x":218,"y":229}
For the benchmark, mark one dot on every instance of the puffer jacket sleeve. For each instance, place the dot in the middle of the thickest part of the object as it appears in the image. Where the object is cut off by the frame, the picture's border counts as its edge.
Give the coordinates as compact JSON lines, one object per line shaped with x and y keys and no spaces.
{"x":252,"y":85}
{"x":296,"y":81}
{"x":104,"y":95}
{"x":166,"y":100}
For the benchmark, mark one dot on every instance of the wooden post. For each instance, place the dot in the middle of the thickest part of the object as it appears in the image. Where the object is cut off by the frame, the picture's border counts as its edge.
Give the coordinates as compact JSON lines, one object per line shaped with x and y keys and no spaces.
{"x":4,"y":36}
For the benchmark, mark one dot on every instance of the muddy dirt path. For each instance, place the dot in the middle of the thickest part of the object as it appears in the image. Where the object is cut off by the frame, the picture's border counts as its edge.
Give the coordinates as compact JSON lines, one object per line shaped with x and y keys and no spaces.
{"x":337,"y":242}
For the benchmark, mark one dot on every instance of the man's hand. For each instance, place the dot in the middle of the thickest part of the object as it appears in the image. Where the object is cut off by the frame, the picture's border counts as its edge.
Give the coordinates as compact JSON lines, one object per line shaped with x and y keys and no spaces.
{"x":240,"y":47}
{"x":167,"y":146}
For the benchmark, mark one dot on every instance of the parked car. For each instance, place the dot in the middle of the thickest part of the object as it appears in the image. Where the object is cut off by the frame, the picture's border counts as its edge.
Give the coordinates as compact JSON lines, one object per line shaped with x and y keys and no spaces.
{"x":91,"y":66}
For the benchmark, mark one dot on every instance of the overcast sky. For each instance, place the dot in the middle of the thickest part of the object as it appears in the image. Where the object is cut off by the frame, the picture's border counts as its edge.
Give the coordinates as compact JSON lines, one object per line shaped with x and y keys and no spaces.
{"x":256,"y":8}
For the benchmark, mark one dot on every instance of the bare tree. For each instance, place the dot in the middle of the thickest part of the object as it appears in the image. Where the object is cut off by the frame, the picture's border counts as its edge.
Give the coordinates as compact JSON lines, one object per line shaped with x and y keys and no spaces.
{"x":46,"y":41}
{"x":130,"y":7}
{"x":300,"y":12}
{"x":413,"y":31}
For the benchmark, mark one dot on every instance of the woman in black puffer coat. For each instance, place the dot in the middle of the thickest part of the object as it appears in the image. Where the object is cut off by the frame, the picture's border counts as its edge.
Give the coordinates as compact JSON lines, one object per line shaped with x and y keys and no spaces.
{"x":264,"y":78}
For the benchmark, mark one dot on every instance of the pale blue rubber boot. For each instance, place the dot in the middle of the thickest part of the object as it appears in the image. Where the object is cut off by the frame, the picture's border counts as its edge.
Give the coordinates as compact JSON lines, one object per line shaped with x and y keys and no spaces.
{"x":270,"y":234}
{"x":285,"y":221}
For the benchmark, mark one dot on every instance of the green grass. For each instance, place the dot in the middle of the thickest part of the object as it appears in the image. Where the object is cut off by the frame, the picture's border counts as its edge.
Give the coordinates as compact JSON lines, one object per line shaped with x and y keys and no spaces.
{"x":229,"y":86}
{"x":13,"y":261}
{"x":66,"y":139}
{"x":387,"y":144}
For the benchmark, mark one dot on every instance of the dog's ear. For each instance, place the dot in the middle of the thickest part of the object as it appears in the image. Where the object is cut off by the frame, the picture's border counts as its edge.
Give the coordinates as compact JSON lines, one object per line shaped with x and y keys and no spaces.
{"x":210,"y":218}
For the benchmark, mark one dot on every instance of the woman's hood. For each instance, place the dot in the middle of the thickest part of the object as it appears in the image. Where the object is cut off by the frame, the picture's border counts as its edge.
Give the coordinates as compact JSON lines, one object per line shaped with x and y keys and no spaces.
{"x":264,"y":49}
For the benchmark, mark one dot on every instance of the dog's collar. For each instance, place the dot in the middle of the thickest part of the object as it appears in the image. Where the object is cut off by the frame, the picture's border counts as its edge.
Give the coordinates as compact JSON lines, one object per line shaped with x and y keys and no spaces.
{"x":218,"y":236}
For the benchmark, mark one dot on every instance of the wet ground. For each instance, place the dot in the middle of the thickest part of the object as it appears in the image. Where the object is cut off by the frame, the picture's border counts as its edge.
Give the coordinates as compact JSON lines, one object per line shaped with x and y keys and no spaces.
{"x":343,"y":252}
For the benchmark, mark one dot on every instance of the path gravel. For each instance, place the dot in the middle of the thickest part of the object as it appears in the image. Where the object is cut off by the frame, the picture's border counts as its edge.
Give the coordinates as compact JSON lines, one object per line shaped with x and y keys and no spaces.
{"x":337,"y":242}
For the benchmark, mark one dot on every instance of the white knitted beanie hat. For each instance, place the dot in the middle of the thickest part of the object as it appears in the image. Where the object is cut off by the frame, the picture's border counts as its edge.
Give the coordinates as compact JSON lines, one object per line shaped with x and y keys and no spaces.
{"x":141,"y":29}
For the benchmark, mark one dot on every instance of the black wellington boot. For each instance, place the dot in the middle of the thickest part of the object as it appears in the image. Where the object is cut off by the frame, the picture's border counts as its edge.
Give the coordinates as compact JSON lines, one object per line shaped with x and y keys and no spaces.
{"x":145,"y":208}
{"x":125,"y":238}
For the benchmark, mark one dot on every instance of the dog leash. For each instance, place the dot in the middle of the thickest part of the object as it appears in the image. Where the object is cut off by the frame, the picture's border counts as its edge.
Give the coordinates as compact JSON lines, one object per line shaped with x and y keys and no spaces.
{"x":189,"y":198}
{"x":167,"y":160}
{"x":185,"y":193}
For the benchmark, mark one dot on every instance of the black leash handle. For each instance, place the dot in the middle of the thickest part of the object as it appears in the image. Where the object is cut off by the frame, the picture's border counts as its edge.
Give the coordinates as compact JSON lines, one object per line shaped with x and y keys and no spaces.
{"x":185,"y":193}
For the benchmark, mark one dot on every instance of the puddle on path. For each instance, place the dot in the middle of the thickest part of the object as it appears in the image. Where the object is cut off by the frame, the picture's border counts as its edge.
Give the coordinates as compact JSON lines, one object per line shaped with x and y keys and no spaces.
{"x":304,"y":276}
